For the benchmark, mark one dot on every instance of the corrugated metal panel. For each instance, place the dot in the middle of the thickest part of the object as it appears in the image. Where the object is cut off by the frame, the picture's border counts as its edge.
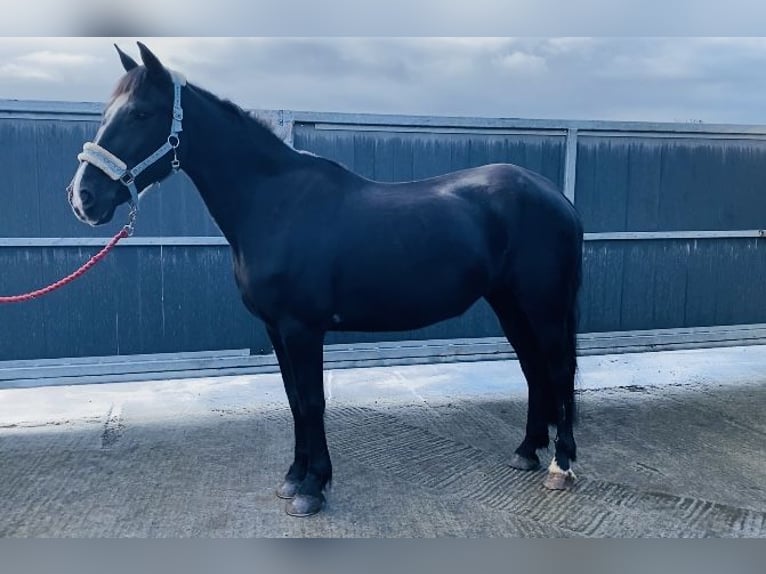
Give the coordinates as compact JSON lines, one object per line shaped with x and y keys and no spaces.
{"x":631,"y":285}
{"x":34,"y":176}
{"x":655,"y":184}
{"x":147,"y":298}
{"x":403,"y":156}
{"x":139,"y":300}
{"x":23,"y":326}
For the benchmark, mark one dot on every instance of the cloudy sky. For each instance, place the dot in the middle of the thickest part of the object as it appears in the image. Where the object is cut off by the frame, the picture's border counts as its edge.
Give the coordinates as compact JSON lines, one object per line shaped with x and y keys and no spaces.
{"x":708,"y":79}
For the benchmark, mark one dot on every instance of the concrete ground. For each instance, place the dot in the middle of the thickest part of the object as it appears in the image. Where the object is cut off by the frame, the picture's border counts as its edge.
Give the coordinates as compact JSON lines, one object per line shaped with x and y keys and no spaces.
{"x":671,"y":444}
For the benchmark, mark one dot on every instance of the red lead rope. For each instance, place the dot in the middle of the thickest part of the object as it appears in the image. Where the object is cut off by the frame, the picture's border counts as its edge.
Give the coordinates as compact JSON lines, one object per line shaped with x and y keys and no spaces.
{"x":124,"y":232}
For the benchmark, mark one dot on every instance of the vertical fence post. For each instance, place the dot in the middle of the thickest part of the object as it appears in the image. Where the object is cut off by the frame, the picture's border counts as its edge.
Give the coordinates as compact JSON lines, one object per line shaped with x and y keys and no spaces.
{"x":570,"y":164}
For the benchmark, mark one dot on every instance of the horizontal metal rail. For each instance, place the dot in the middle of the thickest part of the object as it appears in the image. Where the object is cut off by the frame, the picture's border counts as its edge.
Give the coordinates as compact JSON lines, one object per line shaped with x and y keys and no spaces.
{"x":215,"y":241}
{"x":656,"y":235}
{"x":39,"y":109}
{"x":174,"y":241}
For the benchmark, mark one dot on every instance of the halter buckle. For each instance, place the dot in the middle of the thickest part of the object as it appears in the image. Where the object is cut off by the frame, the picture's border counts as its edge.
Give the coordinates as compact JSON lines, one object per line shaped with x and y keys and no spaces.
{"x":127,"y":178}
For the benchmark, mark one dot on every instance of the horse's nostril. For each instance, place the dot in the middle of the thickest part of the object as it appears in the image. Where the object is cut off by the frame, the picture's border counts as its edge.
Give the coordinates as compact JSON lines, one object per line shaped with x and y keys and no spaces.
{"x":86,"y":198}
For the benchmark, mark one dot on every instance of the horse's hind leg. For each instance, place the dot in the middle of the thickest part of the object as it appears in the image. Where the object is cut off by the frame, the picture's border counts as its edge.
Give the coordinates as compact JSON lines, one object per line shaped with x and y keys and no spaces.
{"x":521,"y":337}
{"x":542,"y":299}
{"x":559,"y":346}
{"x":552,"y":318}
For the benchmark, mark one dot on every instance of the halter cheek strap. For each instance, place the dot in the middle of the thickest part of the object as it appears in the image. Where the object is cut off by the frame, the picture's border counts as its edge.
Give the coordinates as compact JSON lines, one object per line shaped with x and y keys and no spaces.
{"x":117,"y":169}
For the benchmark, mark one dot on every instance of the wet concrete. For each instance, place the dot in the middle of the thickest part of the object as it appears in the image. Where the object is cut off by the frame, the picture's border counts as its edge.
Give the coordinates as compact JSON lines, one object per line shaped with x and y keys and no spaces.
{"x":671,"y":444}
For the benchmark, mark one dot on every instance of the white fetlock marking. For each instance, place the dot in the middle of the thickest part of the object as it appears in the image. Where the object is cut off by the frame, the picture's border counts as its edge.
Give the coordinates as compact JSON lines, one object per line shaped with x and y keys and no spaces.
{"x":554,"y":468}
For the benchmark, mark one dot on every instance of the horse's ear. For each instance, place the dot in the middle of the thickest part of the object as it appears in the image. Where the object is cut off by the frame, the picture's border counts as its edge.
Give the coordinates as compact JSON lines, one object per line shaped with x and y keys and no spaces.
{"x":152,"y":62}
{"x":127,"y":62}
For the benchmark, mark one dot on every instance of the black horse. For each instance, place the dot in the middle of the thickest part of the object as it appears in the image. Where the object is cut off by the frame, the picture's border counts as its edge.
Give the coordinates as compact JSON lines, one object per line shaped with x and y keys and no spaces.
{"x":317,"y":248}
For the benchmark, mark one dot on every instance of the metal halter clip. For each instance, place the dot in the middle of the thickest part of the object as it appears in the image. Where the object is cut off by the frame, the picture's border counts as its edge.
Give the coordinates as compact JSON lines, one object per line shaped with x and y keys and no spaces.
{"x":130,"y":225}
{"x":174,"y":141}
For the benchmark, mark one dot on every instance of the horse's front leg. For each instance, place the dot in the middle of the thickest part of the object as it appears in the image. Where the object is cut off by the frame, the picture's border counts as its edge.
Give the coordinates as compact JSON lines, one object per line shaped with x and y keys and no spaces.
{"x":303,"y":350}
{"x":297,"y":471}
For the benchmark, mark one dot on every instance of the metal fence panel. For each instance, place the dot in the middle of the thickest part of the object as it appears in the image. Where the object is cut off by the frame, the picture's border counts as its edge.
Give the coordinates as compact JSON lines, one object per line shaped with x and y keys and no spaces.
{"x":641,"y":183}
{"x":171,"y":288}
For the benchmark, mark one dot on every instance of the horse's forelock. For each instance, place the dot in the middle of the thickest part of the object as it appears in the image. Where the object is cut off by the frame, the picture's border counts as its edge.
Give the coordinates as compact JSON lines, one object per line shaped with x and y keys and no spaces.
{"x":128,"y":82}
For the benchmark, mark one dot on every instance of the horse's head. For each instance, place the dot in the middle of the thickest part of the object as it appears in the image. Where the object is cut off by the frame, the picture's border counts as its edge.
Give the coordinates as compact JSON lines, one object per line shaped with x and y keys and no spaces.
{"x":136,"y":143}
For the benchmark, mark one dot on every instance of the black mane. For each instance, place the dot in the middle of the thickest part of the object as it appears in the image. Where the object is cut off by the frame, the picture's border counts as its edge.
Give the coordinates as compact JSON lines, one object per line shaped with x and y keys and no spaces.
{"x":245,"y":117}
{"x":262,"y":130}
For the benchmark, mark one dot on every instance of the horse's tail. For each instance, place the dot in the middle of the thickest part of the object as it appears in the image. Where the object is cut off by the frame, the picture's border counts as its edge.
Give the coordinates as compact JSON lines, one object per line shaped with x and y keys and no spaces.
{"x":556,"y":399}
{"x":571,"y":336}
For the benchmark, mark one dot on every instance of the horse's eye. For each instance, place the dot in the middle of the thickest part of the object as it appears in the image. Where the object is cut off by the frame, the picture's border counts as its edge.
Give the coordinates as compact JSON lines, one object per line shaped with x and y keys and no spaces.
{"x":141,"y":114}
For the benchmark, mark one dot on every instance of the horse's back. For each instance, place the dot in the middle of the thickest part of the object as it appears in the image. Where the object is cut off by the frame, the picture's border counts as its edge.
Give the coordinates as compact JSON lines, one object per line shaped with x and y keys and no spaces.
{"x":500,"y":196}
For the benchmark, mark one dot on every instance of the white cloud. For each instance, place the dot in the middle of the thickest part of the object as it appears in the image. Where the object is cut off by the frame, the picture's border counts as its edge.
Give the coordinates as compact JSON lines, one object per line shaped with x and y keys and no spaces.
{"x":42,"y":67}
{"x":13,"y":71}
{"x":565,"y":44}
{"x":521,"y":63}
{"x":51,"y":58}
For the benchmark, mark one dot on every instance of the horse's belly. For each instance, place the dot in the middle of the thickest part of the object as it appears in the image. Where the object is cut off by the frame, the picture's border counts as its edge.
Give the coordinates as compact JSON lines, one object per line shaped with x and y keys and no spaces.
{"x":405,"y":303}
{"x":403,"y":319}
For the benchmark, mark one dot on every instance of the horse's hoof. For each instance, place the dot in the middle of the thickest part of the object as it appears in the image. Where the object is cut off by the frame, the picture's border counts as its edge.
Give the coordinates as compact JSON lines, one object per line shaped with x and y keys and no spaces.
{"x":305,"y":505}
{"x":288,"y":489}
{"x":523,"y":463}
{"x":559,"y":480}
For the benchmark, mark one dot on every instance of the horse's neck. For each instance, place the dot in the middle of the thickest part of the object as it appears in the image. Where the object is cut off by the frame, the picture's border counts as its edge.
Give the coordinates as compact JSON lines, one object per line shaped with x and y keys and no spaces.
{"x":225,"y":164}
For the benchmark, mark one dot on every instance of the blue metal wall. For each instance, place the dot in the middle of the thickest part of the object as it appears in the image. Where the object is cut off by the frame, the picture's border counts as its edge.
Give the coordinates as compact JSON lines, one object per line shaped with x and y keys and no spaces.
{"x":644,"y":183}
{"x":401,"y":156}
{"x":171,"y":289}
